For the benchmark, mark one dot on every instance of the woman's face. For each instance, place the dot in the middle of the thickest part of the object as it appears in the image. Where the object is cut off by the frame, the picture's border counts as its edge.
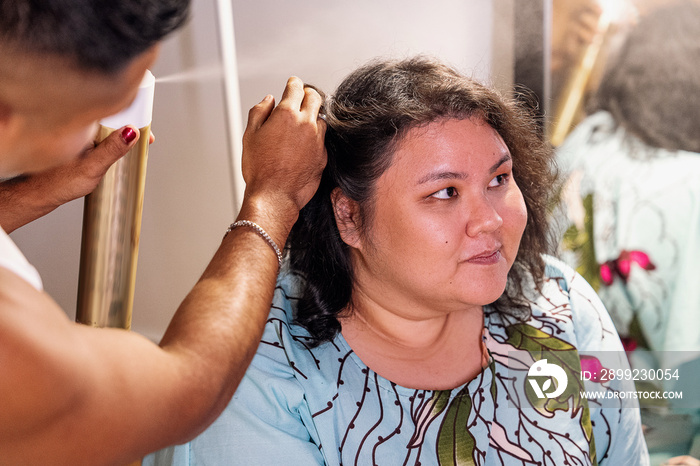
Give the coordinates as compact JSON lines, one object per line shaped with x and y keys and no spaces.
{"x":446,"y":221}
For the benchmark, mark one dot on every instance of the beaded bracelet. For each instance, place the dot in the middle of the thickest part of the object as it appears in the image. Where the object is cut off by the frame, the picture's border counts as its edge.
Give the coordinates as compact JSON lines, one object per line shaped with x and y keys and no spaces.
{"x":259,"y":230}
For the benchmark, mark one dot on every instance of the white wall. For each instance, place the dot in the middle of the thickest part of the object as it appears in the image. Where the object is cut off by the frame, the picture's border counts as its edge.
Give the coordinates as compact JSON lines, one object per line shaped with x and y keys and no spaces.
{"x":322,"y":41}
{"x":189,"y":201}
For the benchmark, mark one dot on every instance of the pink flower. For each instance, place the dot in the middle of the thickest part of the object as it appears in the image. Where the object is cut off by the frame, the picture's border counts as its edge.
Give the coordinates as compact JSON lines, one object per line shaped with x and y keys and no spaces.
{"x":591,"y":368}
{"x":629,"y":344}
{"x":622,"y":266}
{"x":642,"y":259}
{"x":606,"y":273}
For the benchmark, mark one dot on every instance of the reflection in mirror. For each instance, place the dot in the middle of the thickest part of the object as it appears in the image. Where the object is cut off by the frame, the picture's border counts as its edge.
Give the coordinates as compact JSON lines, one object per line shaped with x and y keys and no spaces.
{"x":625,"y":127}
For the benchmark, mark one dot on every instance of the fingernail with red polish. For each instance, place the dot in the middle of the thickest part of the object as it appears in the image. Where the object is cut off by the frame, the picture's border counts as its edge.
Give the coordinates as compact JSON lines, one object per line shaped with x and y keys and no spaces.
{"x":128,"y":134}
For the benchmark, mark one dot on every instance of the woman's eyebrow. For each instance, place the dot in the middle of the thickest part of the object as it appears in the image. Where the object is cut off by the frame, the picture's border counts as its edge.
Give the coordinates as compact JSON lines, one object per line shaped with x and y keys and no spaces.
{"x":437,"y":176}
{"x":506,"y":158}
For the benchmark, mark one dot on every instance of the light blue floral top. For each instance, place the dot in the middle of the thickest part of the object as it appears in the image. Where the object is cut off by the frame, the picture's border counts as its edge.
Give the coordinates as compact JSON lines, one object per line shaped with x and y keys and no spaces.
{"x":633,"y":220}
{"x":631,"y":217}
{"x":323,"y":406}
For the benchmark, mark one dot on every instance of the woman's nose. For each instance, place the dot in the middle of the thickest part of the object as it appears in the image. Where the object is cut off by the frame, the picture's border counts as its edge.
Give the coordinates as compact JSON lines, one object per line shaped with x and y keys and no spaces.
{"x":483,"y":217}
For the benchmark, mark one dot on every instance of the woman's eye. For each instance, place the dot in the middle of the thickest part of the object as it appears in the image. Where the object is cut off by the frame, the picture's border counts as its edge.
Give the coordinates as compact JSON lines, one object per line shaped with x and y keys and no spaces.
{"x":446,"y":193}
{"x":499,"y":180}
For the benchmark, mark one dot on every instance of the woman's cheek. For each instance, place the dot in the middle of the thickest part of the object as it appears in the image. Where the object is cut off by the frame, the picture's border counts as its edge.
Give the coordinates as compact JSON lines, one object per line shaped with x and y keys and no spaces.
{"x":517,"y":215}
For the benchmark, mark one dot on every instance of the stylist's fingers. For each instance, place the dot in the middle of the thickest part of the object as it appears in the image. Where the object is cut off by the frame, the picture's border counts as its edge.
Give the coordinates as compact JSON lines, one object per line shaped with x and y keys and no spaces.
{"x":311,"y":106}
{"x":98,"y":159}
{"x":293,"y":94}
{"x":260,"y":113}
{"x":81,"y":175}
{"x":312,"y":102}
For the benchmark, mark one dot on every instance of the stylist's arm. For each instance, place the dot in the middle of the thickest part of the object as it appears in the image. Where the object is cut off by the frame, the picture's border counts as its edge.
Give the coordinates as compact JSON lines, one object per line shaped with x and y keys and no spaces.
{"x":71,"y":394}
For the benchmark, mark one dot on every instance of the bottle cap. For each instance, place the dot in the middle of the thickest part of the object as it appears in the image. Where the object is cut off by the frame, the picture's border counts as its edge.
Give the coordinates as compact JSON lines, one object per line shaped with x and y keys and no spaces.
{"x":140,"y":112}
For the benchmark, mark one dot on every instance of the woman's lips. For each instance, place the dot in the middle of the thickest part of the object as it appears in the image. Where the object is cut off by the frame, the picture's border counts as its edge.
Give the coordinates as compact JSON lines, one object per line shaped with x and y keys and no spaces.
{"x":486,"y":258}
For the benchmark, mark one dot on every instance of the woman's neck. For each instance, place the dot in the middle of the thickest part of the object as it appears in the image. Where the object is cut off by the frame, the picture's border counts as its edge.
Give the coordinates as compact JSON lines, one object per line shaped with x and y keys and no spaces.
{"x":439,"y":351}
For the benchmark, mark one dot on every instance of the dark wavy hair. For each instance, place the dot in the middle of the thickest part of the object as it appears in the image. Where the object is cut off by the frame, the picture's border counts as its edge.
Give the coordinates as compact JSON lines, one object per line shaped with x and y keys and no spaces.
{"x":97,"y":35}
{"x":372,"y":109}
{"x":650,"y":85}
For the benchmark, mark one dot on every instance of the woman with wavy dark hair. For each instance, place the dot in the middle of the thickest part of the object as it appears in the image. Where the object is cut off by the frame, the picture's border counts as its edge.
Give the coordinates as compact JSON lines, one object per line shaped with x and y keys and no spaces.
{"x":418,"y":310}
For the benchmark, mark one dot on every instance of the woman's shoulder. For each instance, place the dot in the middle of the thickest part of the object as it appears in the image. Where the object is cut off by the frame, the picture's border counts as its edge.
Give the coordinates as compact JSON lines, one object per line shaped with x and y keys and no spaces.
{"x":280,"y":322}
{"x":282,"y":337}
{"x":561,"y":279}
{"x":573,"y":304}
{"x":559,"y":272}
{"x":286,"y":348}
{"x":565,"y":309}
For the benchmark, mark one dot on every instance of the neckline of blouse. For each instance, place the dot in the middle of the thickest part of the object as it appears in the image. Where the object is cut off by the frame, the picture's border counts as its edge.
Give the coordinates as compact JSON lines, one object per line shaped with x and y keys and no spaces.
{"x":408,"y":392}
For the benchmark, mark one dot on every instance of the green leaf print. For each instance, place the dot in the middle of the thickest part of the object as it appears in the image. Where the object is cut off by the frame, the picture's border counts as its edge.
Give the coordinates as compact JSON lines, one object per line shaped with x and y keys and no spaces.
{"x":534,"y":340}
{"x":455,"y":444}
{"x":541,"y":345}
{"x":588,"y":430}
{"x":493,"y":389}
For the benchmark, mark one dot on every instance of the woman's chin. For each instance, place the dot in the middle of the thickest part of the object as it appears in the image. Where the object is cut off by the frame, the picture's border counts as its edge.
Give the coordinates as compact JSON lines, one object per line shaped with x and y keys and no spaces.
{"x":484,"y":295}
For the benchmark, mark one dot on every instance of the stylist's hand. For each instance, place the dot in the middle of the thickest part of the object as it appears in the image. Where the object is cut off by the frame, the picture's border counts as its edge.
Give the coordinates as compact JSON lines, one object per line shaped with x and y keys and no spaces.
{"x":575,"y":25}
{"x":29,"y":197}
{"x":80,"y":177}
{"x":283,"y":153}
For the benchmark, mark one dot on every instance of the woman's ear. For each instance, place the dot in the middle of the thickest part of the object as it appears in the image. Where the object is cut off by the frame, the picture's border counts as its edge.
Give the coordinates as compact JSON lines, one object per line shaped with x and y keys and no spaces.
{"x":347,"y":218}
